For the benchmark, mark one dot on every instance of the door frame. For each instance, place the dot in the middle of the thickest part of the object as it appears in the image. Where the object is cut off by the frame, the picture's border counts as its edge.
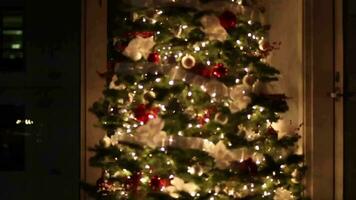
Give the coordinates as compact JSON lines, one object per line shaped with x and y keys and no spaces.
{"x":323,"y":57}
{"x":322,"y":50}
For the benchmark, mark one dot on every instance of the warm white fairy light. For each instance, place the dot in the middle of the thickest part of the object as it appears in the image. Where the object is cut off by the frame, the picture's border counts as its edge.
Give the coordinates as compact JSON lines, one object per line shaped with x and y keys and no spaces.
{"x":171,"y":82}
{"x":190,"y":94}
{"x":203,"y":88}
{"x":249,"y":34}
{"x":140,"y":87}
{"x":257,"y":148}
{"x":249,"y":116}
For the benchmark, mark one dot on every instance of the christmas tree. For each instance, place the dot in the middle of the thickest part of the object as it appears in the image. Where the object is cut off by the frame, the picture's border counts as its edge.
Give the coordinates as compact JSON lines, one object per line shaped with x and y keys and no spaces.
{"x":185,"y":108}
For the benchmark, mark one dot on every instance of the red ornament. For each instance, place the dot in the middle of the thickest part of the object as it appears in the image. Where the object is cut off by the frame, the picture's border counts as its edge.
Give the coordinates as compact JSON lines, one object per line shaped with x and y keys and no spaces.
{"x":143,"y":113}
{"x":154,"y":57}
{"x":228,"y":20}
{"x":206,"y":72}
{"x":203,"y":119}
{"x":248,"y":166}
{"x":132,"y":182}
{"x":158,"y":183}
{"x":219,"y":70}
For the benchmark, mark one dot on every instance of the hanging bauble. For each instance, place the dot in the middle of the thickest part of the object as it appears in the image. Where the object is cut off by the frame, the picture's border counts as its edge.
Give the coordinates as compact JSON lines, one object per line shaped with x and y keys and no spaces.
{"x":248,"y":166}
{"x":154,"y":57}
{"x":219,"y":70}
{"x":228,"y":20}
{"x":188,"y":61}
{"x":221,"y":118}
{"x":157,"y":183}
{"x":149,"y":96}
{"x":249,"y":79}
{"x":206,"y":72}
{"x":143,"y":113}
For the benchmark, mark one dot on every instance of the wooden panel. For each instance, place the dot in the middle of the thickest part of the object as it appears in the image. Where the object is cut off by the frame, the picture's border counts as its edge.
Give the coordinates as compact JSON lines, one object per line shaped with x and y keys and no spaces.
{"x":319,"y":112}
{"x":95,"y":57}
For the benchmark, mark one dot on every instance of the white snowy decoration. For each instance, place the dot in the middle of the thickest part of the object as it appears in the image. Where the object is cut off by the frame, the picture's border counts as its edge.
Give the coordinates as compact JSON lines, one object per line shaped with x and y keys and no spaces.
{"x":240,"y":99}
{"x":178,"y":185}
{"x":188,"y":61}
{"x":222,"y":155}
{"x":283,"y":194}
{"x":113,"y":85}
{"x":285,"y":128}
{"x":212,"y":28}
{"x":105,"y":141}
{"x":151,"y":134}
{"x":250,"y":134}
{"x":139,"y":47}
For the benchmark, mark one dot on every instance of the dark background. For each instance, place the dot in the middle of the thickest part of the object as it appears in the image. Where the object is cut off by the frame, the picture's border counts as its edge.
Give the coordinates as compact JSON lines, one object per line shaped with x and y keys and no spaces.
{"x":350,"y":98}
{"x":42,"y":160}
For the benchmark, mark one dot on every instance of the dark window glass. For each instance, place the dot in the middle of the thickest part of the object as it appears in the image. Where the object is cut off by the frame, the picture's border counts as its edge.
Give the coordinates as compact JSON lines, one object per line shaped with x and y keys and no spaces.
{"x":12,"y":138}
{"x":11,"y":40}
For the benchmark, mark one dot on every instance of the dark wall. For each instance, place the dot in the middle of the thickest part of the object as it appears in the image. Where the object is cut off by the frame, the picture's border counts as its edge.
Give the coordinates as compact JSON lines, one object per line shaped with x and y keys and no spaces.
{"x":350,"y":98}
{"x":49,"y":87}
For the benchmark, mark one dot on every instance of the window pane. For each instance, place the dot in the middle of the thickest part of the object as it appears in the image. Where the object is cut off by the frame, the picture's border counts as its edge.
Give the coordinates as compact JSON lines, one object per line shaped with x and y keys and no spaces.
{"x":12,"y":21}
{"x":12,"y":39}
{"x":12,"y":141}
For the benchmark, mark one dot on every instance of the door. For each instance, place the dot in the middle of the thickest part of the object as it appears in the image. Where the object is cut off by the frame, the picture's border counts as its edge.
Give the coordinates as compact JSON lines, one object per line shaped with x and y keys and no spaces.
{"x":40,"y":99}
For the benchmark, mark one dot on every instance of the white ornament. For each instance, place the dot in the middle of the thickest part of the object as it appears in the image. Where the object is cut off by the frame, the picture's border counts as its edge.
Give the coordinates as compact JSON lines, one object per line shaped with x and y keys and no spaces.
{"x":284,"y":128}
{"x":151,"y":134}
{"x":240,"y":99}
{"x":188,"y":61}
{"x":283,"y":194}
{"x":139,"y":47}
{"x":220,"y":118}
{"x":250,"y":134}
{"x":113,"y":85}
{"x":105,"y":141}
{"x":212,"y":28}
{"x":222,"y":155}
{"x":178,"y":185}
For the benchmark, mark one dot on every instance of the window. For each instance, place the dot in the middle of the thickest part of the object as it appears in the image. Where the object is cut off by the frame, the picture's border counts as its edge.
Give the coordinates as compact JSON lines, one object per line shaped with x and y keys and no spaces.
{"x":11,"y":39}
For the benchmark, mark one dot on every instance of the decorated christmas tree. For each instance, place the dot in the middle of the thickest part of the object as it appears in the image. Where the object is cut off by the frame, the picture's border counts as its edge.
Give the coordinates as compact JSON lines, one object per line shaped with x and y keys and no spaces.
{"x":185,"y":108}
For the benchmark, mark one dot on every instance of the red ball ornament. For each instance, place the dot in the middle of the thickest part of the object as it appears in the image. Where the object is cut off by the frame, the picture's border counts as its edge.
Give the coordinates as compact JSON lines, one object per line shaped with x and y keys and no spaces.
{"x":228,"y":20}
{"x":219,"y":70}
{"x":248,"y":166}
{"x":202,"y":70}
{"x":143,"y":113}
{"x":154,"y":57}
{"x":158,"y":183}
